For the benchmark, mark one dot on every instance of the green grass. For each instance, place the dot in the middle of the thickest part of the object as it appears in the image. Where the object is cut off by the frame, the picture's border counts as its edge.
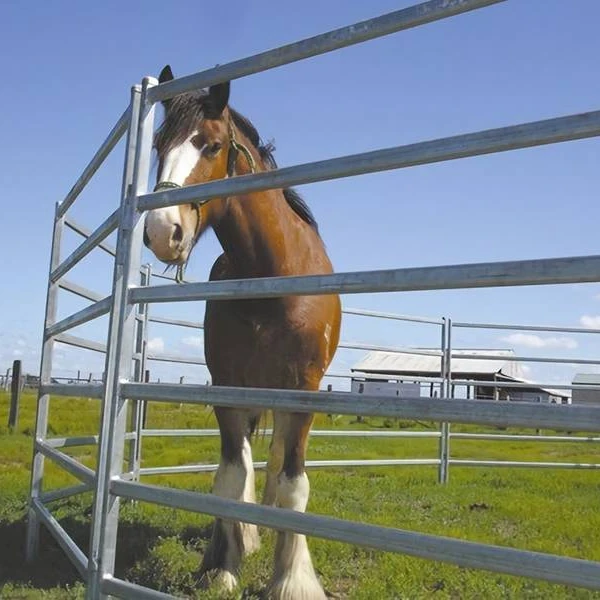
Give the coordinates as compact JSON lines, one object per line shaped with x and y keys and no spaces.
{"x":551,"y":511}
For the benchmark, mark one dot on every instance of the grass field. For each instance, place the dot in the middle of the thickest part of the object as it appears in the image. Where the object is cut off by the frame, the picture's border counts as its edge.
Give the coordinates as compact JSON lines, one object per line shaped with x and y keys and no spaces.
{"x":543,"y":510}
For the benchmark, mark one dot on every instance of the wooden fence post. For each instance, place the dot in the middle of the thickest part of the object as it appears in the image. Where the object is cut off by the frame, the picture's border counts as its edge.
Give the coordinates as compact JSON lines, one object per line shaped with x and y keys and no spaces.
{"x":15,"y":396}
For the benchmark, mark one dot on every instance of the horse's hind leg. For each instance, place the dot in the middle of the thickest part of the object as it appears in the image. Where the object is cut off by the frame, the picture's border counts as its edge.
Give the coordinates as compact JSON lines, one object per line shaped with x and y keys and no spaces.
{"x":234,"y":479}
{"x":294,"y":576}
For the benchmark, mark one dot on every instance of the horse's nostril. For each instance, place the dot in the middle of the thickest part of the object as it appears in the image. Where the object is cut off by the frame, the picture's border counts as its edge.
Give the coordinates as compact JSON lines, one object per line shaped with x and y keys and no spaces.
{"x":177,"y":235}
{"x":146,"y":239}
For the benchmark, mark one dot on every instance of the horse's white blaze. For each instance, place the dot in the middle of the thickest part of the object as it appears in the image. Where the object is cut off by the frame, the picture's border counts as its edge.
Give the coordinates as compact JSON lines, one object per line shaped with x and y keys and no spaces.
{"x":180,"y":161}
{"x":295,"y":577}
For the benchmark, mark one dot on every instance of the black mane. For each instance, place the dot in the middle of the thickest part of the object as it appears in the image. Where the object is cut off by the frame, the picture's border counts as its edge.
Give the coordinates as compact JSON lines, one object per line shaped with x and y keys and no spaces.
{"x":181,"y":116}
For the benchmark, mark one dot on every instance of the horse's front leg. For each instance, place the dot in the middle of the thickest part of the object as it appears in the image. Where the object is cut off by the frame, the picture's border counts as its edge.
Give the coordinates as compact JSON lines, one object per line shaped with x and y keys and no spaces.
{"x":294,"y":576}
{"x":234,"y":479}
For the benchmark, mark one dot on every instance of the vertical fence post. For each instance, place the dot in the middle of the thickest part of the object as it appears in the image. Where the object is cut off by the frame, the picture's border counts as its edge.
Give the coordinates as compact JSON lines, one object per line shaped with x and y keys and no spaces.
{"x":15,"y":396}
{"x":43,"y":404}
{"x":120,"y":344}
{"x":141,"y":341}
{"x":445,"y":393}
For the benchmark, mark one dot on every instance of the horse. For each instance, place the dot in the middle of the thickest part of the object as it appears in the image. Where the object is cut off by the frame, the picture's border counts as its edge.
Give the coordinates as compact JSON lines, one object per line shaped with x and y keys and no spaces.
{"x":278,"y":343}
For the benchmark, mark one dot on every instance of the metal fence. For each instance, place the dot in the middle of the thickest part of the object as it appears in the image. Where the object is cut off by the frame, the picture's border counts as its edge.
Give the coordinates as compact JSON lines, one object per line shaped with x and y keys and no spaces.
{"x":126,"y":307}
{"x":445,"y":380}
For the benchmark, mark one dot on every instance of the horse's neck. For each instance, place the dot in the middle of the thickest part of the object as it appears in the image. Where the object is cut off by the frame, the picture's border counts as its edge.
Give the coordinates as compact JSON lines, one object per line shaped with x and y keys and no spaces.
{"x":258,"y":233}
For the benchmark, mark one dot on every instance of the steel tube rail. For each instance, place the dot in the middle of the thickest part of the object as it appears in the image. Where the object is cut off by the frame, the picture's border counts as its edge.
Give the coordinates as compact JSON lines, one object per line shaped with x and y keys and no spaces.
{"x":543,"y":328}
{"x":111,"y":223}
{"x":386,"y":462}
{"x":62,"y":493}
{"x":86,"y":233}
{"x":465,"y":276}
{"x":119,"y":588}
{"x":528,"y":385}
{"x":79,"y":290}
{"x":412,"y":16}
{"x":522,"y":464}
{"x":85,"y":440}
{"x":72,"y":340}
{"x":385,"y":315}
{"x":579,"y":361}
{"x":88,"y":390}
{"x":513,"y":137}
{"x":68,"y":463}
{"x":569,"y":571}
{"x":377,"y":348}
{"x":43,"y":399}
{"x":178,"y":322}
{"x":482,"y":412}
{"x":86,"y":314}
{"x":121,"y":339}
{"x":62,"y":538}
{"x":524,"y":437}
{"x":390,"y":377}
{"x":175,"y":359}
{"x":111,"y":141}
{"x":313,"y":433}
{"x":385,"y":434}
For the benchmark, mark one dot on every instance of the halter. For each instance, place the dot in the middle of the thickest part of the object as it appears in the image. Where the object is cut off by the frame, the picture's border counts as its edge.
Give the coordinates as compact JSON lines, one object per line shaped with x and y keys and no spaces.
{"x":235,"y":148}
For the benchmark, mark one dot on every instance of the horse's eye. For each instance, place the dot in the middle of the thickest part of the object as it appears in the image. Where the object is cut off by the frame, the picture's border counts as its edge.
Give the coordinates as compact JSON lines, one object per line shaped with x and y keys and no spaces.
{"x":198,"y":141}
{"x":214,"y":147}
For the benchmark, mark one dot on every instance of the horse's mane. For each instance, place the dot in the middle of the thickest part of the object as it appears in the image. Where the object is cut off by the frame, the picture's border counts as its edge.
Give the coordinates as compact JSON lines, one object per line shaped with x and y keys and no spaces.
{"x":181,"y":115}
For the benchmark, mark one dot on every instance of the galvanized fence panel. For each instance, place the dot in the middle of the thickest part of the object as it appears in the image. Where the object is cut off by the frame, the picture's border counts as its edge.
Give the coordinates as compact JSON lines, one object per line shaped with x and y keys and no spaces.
{"x":110,"y":483}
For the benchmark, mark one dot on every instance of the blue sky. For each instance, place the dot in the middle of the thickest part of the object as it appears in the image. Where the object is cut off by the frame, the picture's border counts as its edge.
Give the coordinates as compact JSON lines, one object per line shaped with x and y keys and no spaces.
{"x":68,"y":69}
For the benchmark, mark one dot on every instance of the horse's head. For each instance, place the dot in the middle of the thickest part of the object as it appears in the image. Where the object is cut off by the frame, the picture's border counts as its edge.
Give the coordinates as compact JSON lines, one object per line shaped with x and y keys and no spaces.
{"x":194,"y":145}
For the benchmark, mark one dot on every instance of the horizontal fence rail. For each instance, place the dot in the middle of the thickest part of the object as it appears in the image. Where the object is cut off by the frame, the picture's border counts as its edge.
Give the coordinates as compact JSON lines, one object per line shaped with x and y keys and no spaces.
{"x":542,"y":328}
{"x":79,"y":290}
{"x":412,"y":16}
{"x":70,"y":464}
{"x":69,"y":547}
{"x":385,"y":315}
{"x":569,"y":571}
{"x":540,"y":359}
{"x":111,"y":141}
{"x":514,"y":137}
{"x":71,"y":340}
{"x":357,"y":462}
{"x":583,"y":269}
{"x":103,"y":231}
{"x":100,"y":308}
{"x":86,"y":233}
{"x":84,"y":390}
{"x":526,"y":385}
{"x":176,"y":359}
{"x":481,"y":412}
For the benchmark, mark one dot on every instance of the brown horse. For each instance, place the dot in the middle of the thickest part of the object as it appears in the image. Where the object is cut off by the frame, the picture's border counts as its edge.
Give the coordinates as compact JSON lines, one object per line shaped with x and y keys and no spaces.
{"x":284,"y":343}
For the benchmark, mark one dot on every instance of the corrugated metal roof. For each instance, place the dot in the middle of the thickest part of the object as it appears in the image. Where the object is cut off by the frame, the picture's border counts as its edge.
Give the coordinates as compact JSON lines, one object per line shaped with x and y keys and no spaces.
{"x":587,"y":378}
{"x":406,"y":363}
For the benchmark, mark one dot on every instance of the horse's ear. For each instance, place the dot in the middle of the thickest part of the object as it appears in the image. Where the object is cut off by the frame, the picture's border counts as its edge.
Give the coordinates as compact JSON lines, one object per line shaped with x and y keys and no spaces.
{"x":166,"y":74}
{"x":218,"y":96}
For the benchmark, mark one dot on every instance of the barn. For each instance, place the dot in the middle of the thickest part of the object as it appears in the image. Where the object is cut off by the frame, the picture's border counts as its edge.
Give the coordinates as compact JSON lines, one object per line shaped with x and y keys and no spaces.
{"x":407,"y":373}
{"x":587,"y":396}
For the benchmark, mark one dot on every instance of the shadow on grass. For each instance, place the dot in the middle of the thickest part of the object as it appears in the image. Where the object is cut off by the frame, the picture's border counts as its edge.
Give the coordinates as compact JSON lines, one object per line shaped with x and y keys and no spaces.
{"x":52,"y":567}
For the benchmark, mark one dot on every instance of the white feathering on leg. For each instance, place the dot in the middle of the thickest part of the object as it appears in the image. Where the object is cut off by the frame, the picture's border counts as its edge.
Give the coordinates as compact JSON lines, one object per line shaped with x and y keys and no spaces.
{"x":295,"y":577}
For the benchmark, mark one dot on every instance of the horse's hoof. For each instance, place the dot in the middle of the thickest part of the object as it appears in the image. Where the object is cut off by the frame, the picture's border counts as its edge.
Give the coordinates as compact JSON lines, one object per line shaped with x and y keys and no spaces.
{"x":297,"y":585}
{"x":220,"y":579}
